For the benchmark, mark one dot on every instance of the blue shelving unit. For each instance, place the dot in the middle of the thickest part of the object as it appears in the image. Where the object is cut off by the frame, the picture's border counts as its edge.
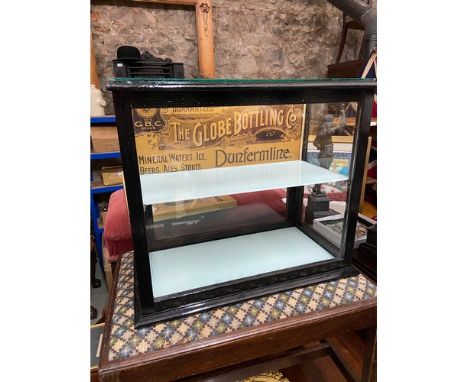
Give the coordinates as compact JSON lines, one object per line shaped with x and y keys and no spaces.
{"x":105,"y":189}
{"x":101,"y":189}
{"x":115,"y":154}
{"x":103,"y":120}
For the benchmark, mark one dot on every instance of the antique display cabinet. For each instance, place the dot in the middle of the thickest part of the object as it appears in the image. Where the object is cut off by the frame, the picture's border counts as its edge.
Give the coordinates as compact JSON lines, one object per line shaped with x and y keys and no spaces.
{"x":224,"y":179}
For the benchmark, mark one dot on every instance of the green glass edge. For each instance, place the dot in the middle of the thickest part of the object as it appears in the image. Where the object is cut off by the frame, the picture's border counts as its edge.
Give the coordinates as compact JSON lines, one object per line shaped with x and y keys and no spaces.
{"x":234,"y":80}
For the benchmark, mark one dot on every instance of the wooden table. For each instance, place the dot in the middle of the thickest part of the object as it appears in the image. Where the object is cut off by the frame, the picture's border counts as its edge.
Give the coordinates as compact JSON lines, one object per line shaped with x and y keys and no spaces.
{"x":238,"y":341}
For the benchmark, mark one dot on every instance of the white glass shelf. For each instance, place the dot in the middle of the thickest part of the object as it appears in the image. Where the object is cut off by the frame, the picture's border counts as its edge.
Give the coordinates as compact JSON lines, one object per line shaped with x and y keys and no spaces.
{"x":183,"y":185}
{"x":193,"y":266}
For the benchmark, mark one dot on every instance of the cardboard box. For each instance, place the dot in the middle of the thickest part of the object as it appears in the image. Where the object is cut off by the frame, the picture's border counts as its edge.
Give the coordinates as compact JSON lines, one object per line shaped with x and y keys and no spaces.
{"x":112,"y":175}
{"x":165,"y":211}
{"x":104,"y":139}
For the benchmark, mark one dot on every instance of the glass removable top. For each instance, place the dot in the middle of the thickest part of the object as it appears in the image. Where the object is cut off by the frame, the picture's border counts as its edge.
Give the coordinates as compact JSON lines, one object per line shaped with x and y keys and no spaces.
{"x":142,"y":82}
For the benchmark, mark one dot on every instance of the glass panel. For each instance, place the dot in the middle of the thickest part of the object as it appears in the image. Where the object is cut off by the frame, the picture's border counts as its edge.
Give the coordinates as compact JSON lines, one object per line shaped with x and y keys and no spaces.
{"x":188,"y":221}
{"x":220,"y":188}
{"x":213,"y":172}
{"x":194,"y":266}
{"x":330,"y":147}
{"x":135,"y":81}
{"x":180,"y":185}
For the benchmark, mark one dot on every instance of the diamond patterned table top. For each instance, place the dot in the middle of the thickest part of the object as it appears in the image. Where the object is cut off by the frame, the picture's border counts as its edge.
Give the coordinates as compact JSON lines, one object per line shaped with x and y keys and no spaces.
{"x":124,"y":341}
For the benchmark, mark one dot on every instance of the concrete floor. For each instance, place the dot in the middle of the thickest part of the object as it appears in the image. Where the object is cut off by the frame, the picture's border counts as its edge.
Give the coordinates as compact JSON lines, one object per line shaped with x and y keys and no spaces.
{"x":99,"y":296}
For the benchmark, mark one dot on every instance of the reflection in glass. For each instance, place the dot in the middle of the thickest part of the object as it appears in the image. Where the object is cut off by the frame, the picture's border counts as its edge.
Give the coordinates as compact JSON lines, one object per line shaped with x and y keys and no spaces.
{"x":221,"y":188}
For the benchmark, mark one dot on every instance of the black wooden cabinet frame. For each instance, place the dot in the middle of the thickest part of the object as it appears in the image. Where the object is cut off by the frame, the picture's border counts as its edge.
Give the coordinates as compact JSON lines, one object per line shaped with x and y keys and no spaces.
{"x":153,"y":93}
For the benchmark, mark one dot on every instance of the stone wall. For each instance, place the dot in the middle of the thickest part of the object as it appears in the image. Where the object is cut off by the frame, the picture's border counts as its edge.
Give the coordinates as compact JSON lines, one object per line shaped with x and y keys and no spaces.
{"x":253,"y":38}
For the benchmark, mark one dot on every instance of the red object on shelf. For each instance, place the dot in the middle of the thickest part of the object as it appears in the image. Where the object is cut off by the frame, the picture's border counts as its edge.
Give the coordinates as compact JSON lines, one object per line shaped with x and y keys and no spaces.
{"x":273,"y":198}
{"x":117,"y":231}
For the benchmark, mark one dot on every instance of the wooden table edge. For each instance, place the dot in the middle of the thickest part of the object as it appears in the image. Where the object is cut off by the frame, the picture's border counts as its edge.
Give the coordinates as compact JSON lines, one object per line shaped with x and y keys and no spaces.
{"x":364,"y":310}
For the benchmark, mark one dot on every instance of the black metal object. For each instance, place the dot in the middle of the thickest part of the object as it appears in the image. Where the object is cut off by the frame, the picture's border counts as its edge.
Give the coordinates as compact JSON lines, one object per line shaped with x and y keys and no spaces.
{"x":134,"y":93}
{"x":366,"y":15}
{"x":130,"y":64}
{"x":148,"y":69}
{"x":372,"y":235}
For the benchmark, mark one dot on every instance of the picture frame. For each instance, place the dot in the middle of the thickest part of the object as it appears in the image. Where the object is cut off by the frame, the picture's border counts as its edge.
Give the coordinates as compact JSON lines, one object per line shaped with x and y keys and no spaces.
{"x":331,"y":228}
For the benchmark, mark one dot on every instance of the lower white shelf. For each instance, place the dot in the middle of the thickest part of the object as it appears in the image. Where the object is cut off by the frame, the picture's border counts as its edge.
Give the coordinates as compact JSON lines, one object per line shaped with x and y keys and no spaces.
{"x":193,"y":266}
{"x":183,"y":185}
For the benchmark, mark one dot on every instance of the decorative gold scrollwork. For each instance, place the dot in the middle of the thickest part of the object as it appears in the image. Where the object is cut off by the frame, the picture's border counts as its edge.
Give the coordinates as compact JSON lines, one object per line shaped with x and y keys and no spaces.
{"x":205,"y":8}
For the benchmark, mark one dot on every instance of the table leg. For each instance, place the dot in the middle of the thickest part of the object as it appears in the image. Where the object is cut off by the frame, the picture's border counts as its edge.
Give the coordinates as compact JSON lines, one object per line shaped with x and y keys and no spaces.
{"x":369,"y":367}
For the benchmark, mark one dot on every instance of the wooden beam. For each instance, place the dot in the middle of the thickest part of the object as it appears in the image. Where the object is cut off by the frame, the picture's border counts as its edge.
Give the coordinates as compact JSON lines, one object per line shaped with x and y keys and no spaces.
{"x":174,"y":2}
{"x":204,"y":20}
{"x":93,"y":71}
{"x":204,"y":24}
